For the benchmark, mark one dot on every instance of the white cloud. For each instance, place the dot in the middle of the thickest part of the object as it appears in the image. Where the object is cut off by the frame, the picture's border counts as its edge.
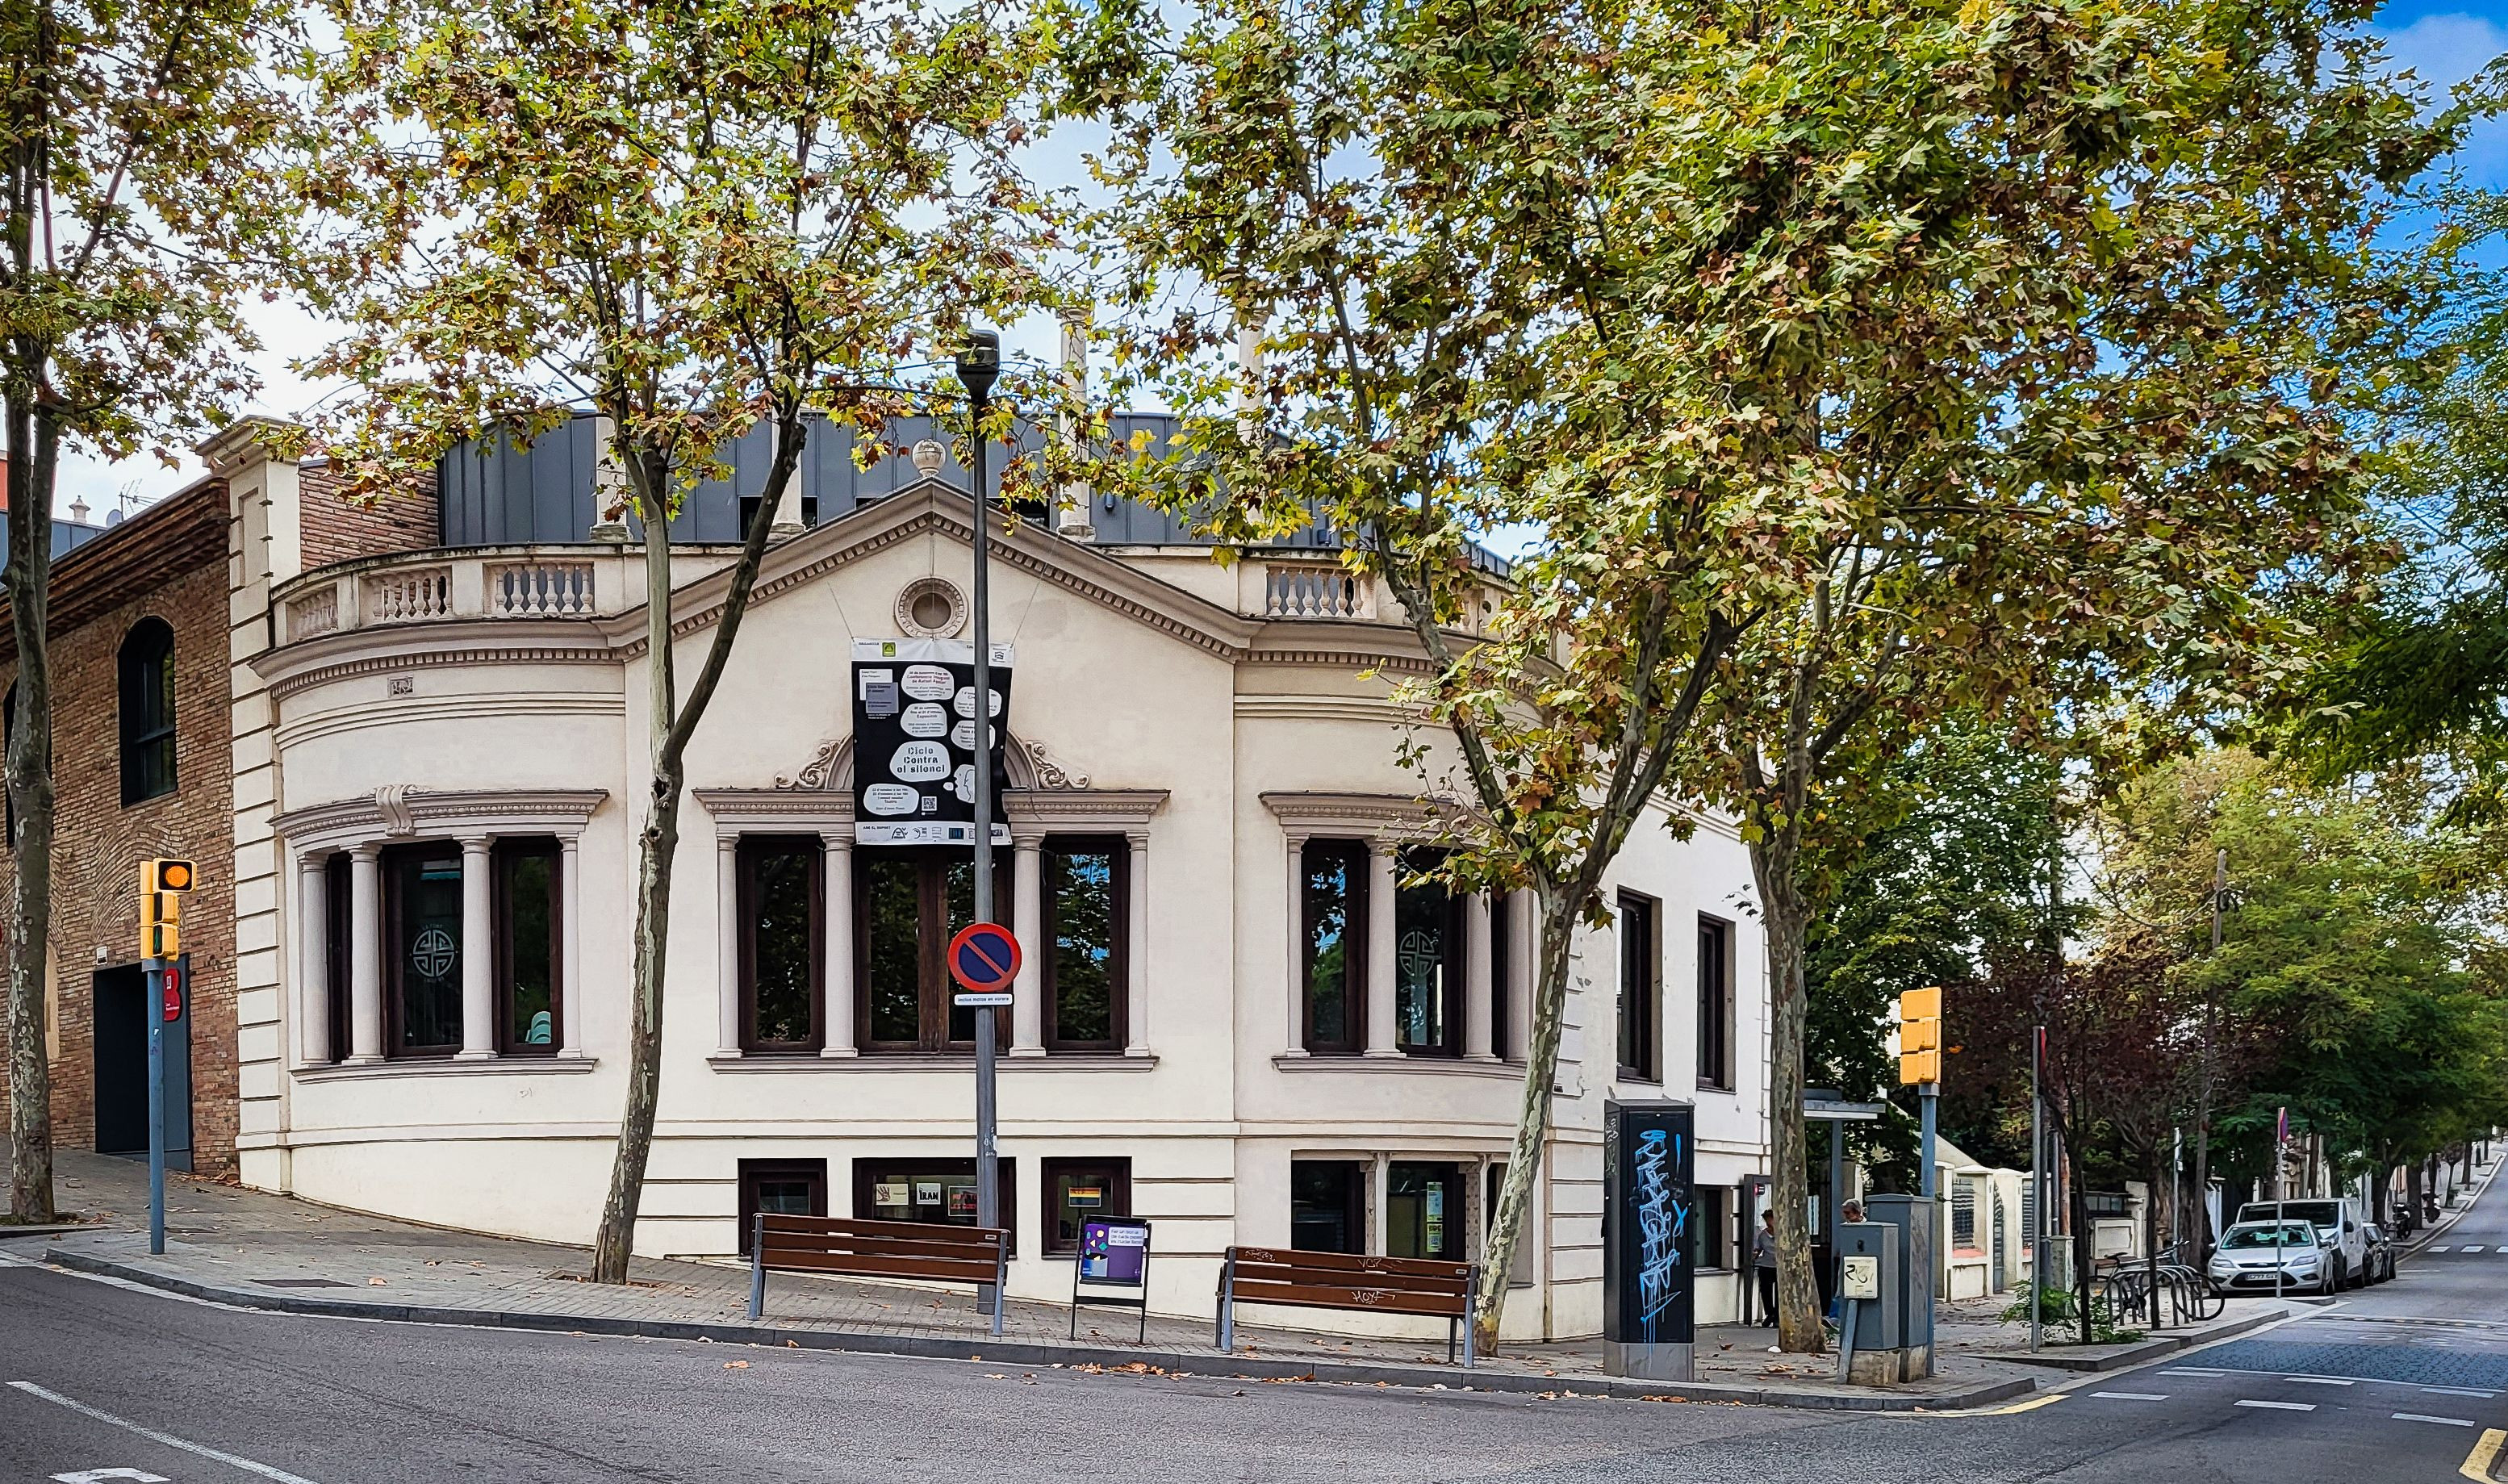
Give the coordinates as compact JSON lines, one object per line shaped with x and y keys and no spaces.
{"x":2444,"y":50}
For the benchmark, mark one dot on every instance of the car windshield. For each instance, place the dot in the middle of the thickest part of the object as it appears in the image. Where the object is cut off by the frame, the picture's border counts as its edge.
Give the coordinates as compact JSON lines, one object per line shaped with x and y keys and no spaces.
{"x":2289,"y":1234}
{"x":2322,"y":1212}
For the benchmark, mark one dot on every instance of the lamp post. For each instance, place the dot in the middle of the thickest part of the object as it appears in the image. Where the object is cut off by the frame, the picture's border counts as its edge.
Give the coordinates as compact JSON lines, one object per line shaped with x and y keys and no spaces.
{"x":979,"y":365}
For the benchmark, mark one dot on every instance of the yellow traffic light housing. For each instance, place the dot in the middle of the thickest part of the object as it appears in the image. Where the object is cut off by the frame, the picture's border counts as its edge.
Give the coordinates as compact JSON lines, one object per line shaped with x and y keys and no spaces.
{"x":161,"y":885}
{"x":1920,"y":1036}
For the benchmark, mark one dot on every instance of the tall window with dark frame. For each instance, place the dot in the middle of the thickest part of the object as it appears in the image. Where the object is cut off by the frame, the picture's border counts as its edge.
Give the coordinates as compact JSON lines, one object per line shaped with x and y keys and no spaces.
{"x":530,"y":995}
{"x":1638,"y":1000}
{"x":1086,"y":971}
{"x":1427,"y":961}
{"x":1424,"y":1210}
{"x":908,"y":905}
{"x":1328,"y":1206}
{"x":1333,"y":943}
{"x":336,"y":947}
{"x":1501,"y":951}
{"x":145,"y":666}
{"x":423,"y":948}
{"x":8,"y":739}
{"x":782,"y":962}
{"x":1714,"y":1003}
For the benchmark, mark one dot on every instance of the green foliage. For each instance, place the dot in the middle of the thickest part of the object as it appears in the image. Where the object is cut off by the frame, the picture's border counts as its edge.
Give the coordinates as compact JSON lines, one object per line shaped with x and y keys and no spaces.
{"x":1955,"y":878}
{"x":2358,"y":957}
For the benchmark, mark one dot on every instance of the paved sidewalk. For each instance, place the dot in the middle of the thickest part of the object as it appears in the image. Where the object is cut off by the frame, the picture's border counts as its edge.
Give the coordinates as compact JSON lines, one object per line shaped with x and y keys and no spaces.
{"x":274,"y":1253}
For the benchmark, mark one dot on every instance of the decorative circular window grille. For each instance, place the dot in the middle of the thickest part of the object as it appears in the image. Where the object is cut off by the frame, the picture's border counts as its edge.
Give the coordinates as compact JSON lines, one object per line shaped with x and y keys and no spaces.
{"x":930,"y":608}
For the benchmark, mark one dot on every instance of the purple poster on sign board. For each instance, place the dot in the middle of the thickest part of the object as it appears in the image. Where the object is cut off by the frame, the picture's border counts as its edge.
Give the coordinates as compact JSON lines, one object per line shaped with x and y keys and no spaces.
{"x":1111,"y":1251}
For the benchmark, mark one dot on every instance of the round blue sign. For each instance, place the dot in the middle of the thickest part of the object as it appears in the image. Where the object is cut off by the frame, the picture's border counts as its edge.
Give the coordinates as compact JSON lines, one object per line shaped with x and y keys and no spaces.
{"x":984,"y":956}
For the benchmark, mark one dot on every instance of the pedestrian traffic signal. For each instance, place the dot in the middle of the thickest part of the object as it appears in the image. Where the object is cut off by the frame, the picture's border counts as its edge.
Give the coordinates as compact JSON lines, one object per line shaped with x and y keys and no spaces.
{"x":1920,"y":1036}
{"x":161,"y":885}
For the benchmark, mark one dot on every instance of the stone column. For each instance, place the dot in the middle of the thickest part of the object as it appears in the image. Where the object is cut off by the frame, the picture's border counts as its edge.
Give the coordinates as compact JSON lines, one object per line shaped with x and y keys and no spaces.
{"x":478,"y":956}
{"x":1476,"y":978}
{"x":1136,"y":952}
{"x":726,"y":930}
{"x":1027,"y":922}
{"x":1382,"y":1028}
{"x":1297,"y":977}
{"x":1523,"y":952}
{"x":312,"y":959}
{"x":571,"y":987}
{"x":837,"y":855}
{"x":365,"y":954}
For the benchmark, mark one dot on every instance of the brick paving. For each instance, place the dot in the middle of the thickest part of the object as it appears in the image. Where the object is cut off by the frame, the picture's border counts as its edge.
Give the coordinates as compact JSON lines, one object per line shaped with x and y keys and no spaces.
{"x":225,"y":1238}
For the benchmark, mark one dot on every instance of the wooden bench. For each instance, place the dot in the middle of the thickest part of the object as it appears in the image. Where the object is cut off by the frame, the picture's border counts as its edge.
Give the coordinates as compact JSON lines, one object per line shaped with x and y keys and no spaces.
{"x":925,"y":1250}
{"x":1343,"y":1280}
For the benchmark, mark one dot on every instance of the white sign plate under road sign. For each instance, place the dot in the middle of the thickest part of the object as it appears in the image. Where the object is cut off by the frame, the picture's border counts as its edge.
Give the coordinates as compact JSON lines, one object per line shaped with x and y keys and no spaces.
{"x":990,"y":1000}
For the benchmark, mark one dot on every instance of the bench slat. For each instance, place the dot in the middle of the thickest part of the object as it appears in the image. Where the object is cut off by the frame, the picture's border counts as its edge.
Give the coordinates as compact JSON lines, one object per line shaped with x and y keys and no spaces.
{"x":913,"y":1244}
{"x":957,"y":1270}
{"x":1378,"y":1300}
{"x":1400,"y":1282}
{"x":1352,"y":1262}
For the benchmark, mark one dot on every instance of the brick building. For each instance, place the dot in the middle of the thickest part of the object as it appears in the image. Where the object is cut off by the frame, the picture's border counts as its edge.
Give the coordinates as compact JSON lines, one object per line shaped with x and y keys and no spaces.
{"x":145,"y":763}
{"x":139,"y":615}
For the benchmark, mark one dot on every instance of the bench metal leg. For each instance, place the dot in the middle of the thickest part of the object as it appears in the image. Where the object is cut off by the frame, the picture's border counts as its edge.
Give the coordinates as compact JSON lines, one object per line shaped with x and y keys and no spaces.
{"x":1228,"y":1304}
{"x":758,"y":1268}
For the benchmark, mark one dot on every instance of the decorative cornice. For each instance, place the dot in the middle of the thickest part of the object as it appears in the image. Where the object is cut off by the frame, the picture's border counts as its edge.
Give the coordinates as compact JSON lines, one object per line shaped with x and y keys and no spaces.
{"x":1028,"y":812}
{"x":1369,"y":815}
{"x":397,"y":811}
{"x":1028,"y":762}
{"x":280,"y":667}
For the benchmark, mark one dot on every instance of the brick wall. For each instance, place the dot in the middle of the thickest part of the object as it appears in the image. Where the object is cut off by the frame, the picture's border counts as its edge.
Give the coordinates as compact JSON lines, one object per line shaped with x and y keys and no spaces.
{"x":336,"y":531}
{"x":98,"y":844}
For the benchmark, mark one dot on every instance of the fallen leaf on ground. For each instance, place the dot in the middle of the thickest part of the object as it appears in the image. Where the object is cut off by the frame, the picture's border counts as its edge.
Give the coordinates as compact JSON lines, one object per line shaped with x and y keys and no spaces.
{"x":735,"y":1365}
{"x":375,"y":1282}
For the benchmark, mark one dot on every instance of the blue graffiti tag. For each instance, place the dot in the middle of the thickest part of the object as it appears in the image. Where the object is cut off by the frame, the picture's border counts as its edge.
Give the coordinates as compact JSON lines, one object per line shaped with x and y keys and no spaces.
{"x":1661,"y":1220}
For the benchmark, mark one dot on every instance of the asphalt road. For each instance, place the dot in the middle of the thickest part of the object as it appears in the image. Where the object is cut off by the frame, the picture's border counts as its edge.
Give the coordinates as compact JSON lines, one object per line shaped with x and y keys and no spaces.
{"x":2397,"y":1384}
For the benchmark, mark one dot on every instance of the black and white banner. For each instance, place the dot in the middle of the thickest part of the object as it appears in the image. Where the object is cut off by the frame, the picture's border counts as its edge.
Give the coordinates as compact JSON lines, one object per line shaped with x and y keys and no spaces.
{"x":914,"y":741}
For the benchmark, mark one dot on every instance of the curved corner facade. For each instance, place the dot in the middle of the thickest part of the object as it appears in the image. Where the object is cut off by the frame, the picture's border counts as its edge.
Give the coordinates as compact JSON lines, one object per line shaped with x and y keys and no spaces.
{"x":1238,"y":1017}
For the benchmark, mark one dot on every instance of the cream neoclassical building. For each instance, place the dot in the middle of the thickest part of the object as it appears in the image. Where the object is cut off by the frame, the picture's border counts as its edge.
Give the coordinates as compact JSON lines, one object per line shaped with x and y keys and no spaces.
{"x":1235,"y":1019}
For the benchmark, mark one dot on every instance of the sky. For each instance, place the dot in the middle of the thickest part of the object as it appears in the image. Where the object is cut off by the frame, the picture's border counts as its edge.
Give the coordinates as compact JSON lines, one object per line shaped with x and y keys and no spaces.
{"x":2442,"y":43}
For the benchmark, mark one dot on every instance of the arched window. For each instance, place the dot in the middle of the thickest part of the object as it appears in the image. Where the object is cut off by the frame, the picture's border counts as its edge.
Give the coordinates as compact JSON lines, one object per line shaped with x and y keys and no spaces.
{"x":147,"y":671}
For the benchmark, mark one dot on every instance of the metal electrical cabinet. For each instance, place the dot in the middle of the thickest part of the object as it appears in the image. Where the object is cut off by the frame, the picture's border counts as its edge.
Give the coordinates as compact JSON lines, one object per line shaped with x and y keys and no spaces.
{"x":1910,"y":1290}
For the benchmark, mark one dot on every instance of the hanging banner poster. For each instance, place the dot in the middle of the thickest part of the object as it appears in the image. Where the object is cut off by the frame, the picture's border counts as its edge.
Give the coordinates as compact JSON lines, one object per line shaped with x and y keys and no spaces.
{"x":915,"y":740}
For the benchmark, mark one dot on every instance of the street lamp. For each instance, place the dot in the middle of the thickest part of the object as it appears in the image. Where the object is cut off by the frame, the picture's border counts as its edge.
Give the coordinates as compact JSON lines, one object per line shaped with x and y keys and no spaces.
{"x":979,"y":365}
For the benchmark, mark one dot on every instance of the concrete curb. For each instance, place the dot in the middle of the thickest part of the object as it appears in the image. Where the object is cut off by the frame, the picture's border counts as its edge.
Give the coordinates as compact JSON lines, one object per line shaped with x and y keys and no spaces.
{"x":1030,"y":1352}
{"x":2159,"y":1346}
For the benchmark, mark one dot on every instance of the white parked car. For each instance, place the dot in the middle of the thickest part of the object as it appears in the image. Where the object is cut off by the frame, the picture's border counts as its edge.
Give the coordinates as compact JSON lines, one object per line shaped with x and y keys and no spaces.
{"x":2341,"y":1230}
{"x":2258,"y":1255}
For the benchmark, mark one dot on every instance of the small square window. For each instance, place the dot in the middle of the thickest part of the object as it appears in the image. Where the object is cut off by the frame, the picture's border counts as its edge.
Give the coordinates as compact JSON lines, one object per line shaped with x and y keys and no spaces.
{"x":1083,"y":1190}
{"x":1328,"y":1206}
{"x":780,"y":1188}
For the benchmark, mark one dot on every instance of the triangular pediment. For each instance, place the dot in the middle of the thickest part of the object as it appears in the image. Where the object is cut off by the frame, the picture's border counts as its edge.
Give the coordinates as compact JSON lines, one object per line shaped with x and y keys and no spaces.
{"x":931,"y":508}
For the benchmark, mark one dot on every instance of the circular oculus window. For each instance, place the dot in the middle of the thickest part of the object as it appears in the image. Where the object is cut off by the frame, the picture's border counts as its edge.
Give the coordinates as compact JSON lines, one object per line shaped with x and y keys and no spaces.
{"x":930,"y":608}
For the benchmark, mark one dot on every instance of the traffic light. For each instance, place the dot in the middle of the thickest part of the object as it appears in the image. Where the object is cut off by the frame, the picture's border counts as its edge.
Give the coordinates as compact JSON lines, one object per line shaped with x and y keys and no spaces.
{"x":1920,"y":1036}
{"x":162,"y":885}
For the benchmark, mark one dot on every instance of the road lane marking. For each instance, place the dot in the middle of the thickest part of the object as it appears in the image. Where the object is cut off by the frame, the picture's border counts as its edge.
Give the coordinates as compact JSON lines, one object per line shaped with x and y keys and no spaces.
{"x":2476,"y":1248}
{"x":2453,"y":1421}
{"x":2182,"y":1370}
{"x":2316,"y":1381}
{"x":2457,"y":1391}
{"x":2438,"y":1249}
{"x":2282,"y":1406}
{"x":279,"y":1475}
{"x":2476,"y":1463}
{"x":100,"y":1475}
{"x":2031,"y":1405}
{"x":2132,"y":1395}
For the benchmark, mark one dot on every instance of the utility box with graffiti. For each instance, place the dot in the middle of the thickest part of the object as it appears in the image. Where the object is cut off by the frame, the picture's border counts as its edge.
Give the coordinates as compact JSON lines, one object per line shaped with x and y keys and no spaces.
{"x":1649,"y":1286}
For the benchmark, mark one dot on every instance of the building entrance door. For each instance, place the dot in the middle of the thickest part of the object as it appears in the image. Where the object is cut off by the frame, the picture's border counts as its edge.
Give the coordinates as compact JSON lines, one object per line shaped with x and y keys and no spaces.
{"x":121,"y":1011}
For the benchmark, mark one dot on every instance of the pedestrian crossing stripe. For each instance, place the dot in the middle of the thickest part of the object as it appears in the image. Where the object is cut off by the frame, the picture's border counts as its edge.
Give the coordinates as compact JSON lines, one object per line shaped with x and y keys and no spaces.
{"x":2442,"y":1250}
